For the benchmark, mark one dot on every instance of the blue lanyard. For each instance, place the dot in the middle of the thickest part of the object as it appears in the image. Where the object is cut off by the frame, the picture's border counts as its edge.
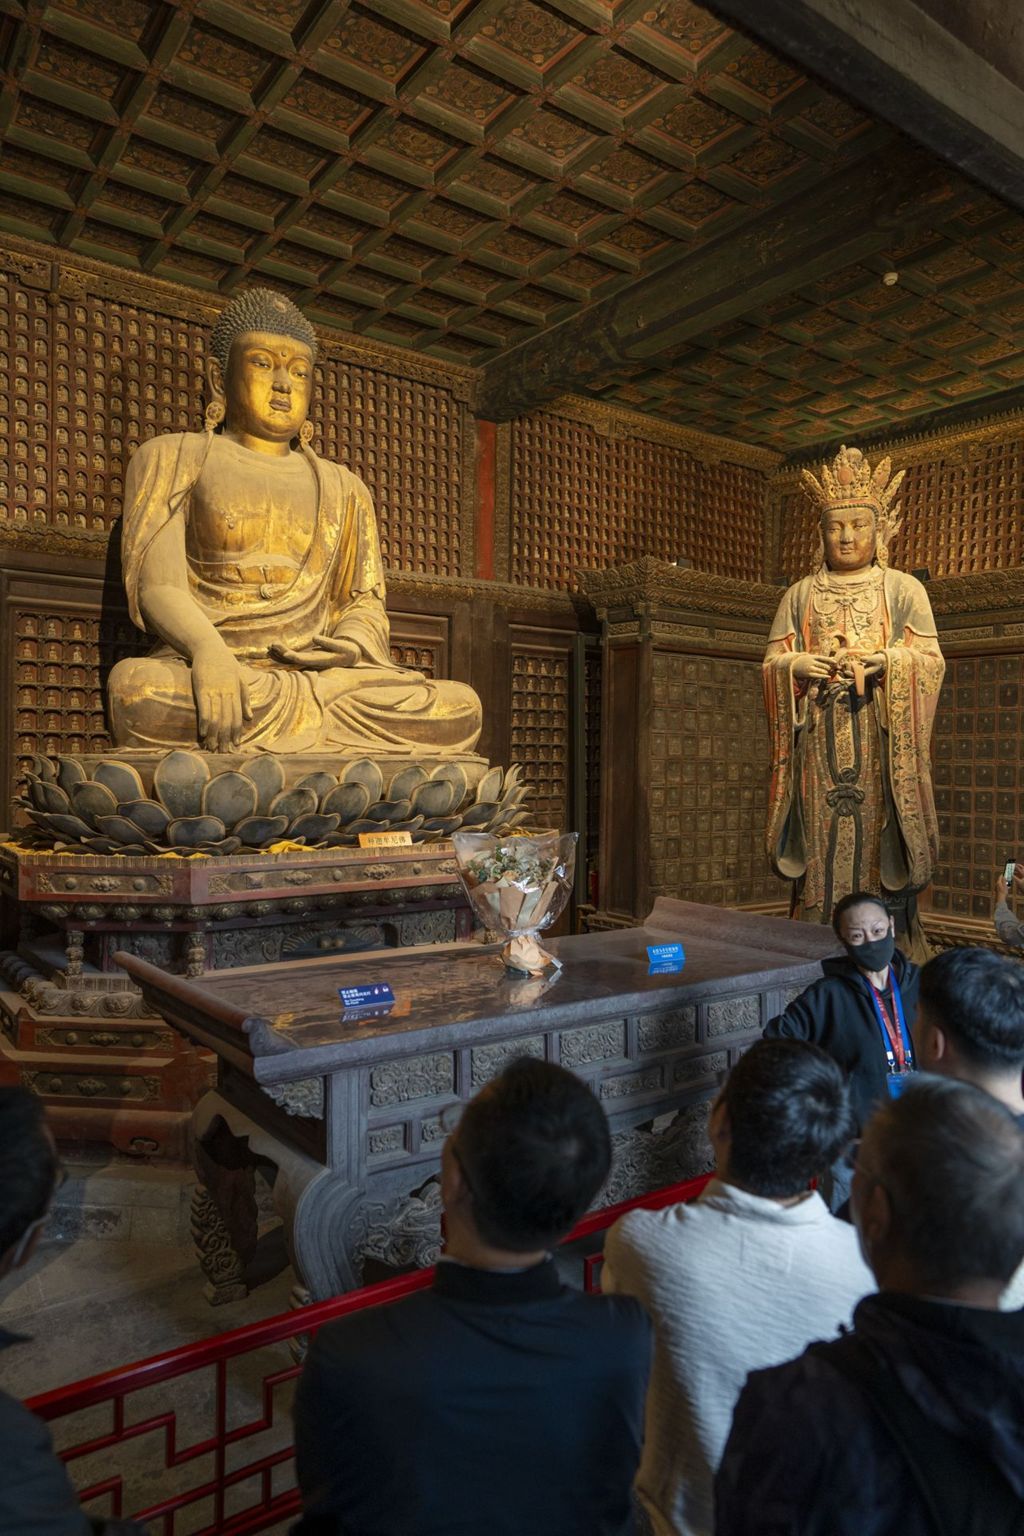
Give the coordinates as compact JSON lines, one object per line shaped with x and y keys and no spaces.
{"x":901,"y":1024}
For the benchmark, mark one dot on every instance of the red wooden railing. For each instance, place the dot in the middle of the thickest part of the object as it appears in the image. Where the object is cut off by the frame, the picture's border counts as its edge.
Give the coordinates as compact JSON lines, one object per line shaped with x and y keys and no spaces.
{"x":221,"y":1475}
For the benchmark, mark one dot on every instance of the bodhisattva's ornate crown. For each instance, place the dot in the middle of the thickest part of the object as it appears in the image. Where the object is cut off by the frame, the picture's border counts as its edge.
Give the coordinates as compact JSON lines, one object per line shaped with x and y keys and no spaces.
{"x":849,"y":481}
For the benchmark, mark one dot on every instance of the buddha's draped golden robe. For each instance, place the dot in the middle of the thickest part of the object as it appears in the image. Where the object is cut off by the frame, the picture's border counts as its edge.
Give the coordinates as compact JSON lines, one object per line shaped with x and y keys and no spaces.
{"x":851,"y":805}
{"x":262,"y":576}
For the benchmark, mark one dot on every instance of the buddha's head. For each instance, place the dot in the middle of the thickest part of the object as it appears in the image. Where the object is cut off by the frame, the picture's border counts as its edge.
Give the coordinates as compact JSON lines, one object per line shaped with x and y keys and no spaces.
{"x":260,"y":368}
{"x":858,"y":517}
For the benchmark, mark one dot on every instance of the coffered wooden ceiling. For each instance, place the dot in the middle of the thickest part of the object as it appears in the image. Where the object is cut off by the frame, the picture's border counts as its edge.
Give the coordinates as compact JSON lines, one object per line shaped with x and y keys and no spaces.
{"x":562,"y":194}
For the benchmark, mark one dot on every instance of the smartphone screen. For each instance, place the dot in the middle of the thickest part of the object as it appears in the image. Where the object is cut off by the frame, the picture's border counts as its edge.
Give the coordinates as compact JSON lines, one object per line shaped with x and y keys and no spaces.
{"x":1008,"y":869}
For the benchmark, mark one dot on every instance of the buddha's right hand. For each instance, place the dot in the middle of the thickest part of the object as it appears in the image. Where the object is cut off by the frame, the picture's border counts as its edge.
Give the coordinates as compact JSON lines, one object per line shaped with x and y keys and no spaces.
{"x":222,"y":699}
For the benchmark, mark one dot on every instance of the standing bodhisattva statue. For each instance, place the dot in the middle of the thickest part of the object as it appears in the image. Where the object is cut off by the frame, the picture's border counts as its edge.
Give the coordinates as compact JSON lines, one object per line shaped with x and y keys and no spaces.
{"x":257,"y":565}
{"x":851,"y":680}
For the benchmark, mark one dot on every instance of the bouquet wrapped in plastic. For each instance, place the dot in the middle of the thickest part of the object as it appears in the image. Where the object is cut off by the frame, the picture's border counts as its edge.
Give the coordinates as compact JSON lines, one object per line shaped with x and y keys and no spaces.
{"x":518,"y":886}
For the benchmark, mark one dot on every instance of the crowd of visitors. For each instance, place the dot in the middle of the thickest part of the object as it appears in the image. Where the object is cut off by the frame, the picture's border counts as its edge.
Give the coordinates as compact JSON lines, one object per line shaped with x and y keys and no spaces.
{"x":755,"y":1364}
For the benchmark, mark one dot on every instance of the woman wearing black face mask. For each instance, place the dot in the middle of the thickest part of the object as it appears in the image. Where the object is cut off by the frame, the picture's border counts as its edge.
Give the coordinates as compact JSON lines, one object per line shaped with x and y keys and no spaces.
{"x":861,"y":1012}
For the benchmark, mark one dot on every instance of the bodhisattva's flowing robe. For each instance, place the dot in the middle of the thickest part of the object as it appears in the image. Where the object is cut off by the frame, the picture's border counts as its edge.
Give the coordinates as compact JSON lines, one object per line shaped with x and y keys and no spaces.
{"x":850,"y":800}
{"x":260,"y":581}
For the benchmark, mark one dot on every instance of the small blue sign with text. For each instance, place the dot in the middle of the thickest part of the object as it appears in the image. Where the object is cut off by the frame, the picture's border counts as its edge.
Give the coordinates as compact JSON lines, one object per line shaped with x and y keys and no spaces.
{"x":376,"y":995}
{"x":664,"y":959}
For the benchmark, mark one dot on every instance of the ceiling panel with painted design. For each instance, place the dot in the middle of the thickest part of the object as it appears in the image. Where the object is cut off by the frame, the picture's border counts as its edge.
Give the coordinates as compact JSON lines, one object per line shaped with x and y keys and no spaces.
{"x":620,"y":197}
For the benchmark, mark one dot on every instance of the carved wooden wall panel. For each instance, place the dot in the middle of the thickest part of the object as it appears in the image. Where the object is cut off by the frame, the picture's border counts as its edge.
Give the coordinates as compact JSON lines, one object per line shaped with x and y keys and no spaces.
{"x":978,"y":770}
{"x":582,"y":498}
{"x":61,"y":654}
{"x":961,"y":508}
{"x":405,"y":439}
{"x":421,"y":641}
{"x":91,"y":379}
{"x":592,"y":744}
{"x":541,"y":728}
{"x":709,"y":751}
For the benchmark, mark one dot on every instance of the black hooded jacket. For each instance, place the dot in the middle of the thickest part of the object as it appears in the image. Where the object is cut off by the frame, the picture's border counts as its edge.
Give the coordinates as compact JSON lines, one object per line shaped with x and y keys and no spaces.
{"x":809,"y":1456}
{"x":838,"y":1014}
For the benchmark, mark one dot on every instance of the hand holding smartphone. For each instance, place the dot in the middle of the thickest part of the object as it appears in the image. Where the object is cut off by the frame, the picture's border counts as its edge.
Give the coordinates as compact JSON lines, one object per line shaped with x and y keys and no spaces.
{"x":1008,"y":869}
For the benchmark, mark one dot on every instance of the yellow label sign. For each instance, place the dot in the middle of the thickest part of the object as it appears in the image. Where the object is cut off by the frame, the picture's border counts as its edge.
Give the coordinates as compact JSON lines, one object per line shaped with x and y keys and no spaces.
{"x":385,"y":839}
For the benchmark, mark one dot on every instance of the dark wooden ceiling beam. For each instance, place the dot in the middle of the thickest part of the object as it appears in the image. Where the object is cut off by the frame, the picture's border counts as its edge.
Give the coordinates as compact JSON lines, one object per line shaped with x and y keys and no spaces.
{"x":897,"y":61}
{"x":848,"y":218}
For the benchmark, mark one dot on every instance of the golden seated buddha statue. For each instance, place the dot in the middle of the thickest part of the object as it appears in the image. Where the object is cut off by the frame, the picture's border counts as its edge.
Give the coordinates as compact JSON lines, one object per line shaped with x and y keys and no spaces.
{"x":257,"y":566}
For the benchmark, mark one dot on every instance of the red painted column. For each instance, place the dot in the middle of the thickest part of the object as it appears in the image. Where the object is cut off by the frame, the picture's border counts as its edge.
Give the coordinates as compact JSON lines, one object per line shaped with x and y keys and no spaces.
{"x":486,"y":444}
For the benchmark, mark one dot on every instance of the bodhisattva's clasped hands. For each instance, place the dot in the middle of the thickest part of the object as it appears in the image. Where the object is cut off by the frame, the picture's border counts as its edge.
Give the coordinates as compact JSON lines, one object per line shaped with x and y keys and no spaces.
{"x":222,"y":696}
{"x":809,"y":665}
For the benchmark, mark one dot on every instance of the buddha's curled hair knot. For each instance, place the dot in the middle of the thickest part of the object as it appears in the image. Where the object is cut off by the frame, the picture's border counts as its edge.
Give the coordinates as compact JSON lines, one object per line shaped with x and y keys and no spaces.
{"x":259,"y":309}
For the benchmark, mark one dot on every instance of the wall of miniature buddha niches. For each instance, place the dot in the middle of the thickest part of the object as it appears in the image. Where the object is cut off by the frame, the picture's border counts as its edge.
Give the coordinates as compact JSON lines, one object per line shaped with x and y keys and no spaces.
{"x":961,"y":501}
{"x":978,"y":772}
{"x":584,"y":496}
{"x":709,"y":750}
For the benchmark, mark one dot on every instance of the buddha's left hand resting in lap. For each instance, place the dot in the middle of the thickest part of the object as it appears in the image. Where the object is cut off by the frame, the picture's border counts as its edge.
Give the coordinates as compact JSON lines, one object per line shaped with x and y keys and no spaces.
{"x":257,"y":564}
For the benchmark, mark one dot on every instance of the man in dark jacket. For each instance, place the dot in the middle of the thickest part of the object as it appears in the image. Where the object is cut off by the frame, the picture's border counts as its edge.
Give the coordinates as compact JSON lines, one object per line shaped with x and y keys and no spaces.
{"x":36,"y":1496}
{"x":913,"y":1424}
{"x":501,"y":1400}
{"x":861,"y":1012}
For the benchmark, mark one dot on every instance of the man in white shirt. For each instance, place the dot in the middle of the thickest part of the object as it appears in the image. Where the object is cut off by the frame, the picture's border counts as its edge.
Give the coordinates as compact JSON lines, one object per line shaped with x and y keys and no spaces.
{"x":744,"y":1278}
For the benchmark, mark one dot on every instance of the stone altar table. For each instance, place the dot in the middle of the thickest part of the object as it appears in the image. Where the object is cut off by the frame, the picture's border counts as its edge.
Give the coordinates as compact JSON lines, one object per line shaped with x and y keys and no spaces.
{"x":347,"y":1114}
{"x":74,"y":1029}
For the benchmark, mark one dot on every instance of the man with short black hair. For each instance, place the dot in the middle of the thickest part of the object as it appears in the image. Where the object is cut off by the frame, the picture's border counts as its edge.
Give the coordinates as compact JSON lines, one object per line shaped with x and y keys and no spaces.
{"x":746,"y":1276}
{"x":861,"y":1012}
{"x":970,"y":1025}
{"x":36,"y":1496}
{"x":913,"y":1424}
{"x":970,"y":1022}
{"x":501,"y":1400}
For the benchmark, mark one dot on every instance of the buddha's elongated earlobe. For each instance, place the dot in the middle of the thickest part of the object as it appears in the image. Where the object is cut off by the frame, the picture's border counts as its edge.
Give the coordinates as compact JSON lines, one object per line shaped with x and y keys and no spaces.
{"x":217,"y":407}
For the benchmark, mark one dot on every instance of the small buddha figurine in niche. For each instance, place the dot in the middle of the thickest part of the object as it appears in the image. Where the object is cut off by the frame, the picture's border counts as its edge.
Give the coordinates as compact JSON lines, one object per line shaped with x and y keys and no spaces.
{"x":257,"y":565}
{"x":851,"y":677}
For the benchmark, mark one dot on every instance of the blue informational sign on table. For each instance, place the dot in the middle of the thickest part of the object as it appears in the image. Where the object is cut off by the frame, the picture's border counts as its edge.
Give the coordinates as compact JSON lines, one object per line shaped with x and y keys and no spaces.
{"x":665,"y":959}
{"x":377,"y":995}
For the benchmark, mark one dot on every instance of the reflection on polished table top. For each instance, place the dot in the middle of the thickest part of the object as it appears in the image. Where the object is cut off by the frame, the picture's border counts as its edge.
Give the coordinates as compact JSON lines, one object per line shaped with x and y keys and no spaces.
{"x":292,"y":1019}
{"x":350,"y":1109}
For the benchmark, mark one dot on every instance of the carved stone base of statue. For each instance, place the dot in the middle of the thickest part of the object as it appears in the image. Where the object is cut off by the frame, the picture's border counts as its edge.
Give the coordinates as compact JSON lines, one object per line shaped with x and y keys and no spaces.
{"x":75,"y":1030}
{"x":187,"y":801}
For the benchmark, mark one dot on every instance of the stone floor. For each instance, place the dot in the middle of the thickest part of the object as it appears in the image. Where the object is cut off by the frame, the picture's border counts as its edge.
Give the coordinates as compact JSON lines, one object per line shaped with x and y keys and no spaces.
{"x":116,"y":1281}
